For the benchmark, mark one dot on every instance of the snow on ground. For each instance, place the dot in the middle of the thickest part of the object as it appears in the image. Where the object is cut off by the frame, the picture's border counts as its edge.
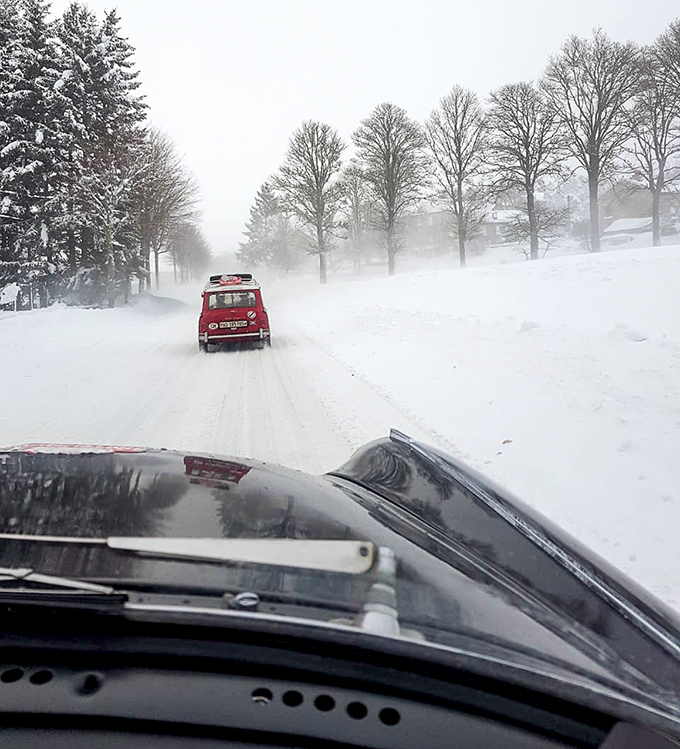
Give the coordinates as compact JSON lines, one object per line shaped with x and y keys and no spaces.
{"x":559,"y":379}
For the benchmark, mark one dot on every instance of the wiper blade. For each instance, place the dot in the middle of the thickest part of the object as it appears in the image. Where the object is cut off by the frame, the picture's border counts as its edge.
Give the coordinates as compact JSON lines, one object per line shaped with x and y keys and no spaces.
{"x":350,"y":557}
{"x":22,"y":574}
{"x":60,"y":592}
{"x":74,"y":599}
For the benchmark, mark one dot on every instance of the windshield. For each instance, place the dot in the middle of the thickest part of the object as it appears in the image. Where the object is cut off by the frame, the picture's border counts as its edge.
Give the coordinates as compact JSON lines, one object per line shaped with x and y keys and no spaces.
{"x":464,"y":219}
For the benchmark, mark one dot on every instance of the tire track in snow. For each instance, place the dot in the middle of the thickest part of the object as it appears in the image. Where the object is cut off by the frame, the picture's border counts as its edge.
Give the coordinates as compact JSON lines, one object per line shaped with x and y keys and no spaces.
{"x":142,"y":381}
{"x":357,"y":406}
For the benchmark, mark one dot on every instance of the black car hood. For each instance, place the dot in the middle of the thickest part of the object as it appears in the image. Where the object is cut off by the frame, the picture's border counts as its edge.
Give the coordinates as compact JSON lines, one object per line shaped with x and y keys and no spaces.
{"x":473,"y":563}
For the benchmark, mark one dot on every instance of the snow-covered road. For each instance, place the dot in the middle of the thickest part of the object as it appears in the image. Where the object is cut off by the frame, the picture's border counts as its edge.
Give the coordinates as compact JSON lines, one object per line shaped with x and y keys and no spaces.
{"x":135,"y":377}
{"x":558,"y":379}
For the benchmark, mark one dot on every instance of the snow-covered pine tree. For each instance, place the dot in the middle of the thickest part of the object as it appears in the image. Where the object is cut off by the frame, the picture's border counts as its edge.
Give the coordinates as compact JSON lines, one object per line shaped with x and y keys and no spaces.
{"x":9,"y":51}
{"x":261,"y":229}
{"x":123,"y":108}
{"x":116,"y":136}
{"x":105,"y":113}
{"x":30,"y":165}
{"x":78,"y":33}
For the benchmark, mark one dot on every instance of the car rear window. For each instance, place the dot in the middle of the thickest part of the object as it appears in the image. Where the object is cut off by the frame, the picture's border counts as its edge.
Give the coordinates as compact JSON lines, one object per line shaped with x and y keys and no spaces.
{"x":228,"y":299}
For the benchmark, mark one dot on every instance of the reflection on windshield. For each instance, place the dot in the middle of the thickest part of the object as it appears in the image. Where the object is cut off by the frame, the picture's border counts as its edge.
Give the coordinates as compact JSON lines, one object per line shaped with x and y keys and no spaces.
{"x":211,"y":472}
{"x":94,"y":498}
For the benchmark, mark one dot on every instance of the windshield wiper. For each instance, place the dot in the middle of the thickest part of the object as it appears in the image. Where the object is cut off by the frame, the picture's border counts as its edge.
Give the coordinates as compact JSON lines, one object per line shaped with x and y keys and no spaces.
{"x":20,"y":574}
{"x":350,"y":557}
{"x":62,"y":592}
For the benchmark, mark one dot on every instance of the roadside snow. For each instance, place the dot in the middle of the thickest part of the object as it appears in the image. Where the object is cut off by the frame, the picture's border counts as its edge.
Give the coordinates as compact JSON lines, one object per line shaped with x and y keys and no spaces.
{"x":558,"y":378}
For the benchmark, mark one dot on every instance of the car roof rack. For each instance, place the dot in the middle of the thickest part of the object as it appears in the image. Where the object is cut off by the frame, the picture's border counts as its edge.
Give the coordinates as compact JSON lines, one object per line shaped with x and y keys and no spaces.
{"x":231,"y":281}
{"x":242,"y":276}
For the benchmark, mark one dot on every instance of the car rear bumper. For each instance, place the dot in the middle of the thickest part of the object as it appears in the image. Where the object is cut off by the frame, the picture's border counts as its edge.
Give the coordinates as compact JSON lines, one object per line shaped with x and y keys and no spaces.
{"x":223,"y":337}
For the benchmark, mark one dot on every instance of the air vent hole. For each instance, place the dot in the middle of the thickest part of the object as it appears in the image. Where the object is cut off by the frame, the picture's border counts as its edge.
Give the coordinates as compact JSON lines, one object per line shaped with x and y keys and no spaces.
{"x":41,"y":677}
{"x":292,"y":698}
{"x":262,"y":696}
{"x":324,"y":702}
{"x":90,"y":684}
{"x":357,"y":710}
{"x":389,"y":716}
{"x":11,"y":675}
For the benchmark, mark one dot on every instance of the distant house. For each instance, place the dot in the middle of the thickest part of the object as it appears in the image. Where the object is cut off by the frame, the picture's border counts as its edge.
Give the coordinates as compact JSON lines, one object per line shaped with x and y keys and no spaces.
{"x":497,"y":225}
{"x":429,"y":233}
{"x":433,"y":232}
{"x":628,"y":226}
{"x":628,"y":200}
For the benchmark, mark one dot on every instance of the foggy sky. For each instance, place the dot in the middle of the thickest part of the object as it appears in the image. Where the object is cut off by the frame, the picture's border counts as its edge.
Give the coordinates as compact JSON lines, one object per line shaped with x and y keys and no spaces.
{"x":229,"y":80}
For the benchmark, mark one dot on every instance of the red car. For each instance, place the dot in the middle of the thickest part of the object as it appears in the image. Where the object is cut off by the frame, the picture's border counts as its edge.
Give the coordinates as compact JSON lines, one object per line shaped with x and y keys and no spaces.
{"x":232,"y":311}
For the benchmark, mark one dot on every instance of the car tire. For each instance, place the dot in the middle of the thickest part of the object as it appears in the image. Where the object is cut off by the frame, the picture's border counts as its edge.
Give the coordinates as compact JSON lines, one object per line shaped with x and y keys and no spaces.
{"x":203,"y":347}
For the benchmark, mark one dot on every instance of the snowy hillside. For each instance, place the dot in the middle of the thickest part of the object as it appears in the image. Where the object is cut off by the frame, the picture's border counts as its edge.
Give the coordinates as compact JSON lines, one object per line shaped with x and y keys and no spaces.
{"x":560,"y":379}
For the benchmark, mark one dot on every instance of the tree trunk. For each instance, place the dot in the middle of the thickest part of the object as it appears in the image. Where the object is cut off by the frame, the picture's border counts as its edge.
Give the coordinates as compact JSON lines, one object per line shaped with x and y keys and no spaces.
{"x":321,"y":245}
{"x":461,"y":238}
{"x":322,"y":267}
{"x":71,"y":240}
{"x":593,"y":176}
{"x":656,"y":221}
{"x":533,"y":225}
{"x":391,"y":264}
{"x":155,"y":262}
{"x":83,"y":247}
{"x":145,"y":278}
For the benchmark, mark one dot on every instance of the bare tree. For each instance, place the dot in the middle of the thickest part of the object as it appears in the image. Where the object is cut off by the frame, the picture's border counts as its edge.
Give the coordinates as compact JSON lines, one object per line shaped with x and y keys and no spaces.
{"x":391,"y":148}
{"x":655,"y":119}
{"x":308,"y":186}
{"x":356,"y":210}
{"x":668,"y":50}
{"x":589,"y":85}
{"x":525,"y":146}
{"x":166,"y":199}
{"x":288,"y":244}
{"x":456,"y":134}
{"x":547,"y":226}
{"x":189,"y":250}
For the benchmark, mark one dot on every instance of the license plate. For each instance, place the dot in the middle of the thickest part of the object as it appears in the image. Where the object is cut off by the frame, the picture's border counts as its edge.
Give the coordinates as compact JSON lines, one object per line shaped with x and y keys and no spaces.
{"x":234,"y":324}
